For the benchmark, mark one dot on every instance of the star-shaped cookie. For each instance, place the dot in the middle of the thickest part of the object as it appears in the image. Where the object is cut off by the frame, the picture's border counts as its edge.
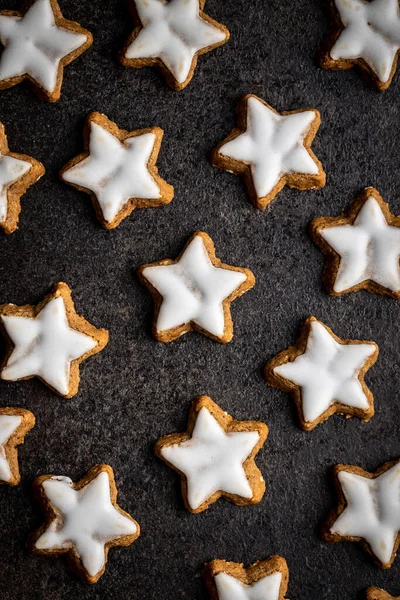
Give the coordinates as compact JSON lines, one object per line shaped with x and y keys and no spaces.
{"x":366,"y":34}
{"x":170,"y":36}
{"x":118,"y":170}
{"x":264,"y":580}
{"x":48,"y":341}
{"x":37,"y":45}
{"x":14,"y":425}
{"x":362,"y":247}
{"x":324,"y":374}
{"x":194,"y":291}
{"x":83,"y":520}
{"x":215,"y":457}
{"x":271,"y":150}
{"x":374,"y":593}
{"x":17,"y":173}
{"x":368,"y":510}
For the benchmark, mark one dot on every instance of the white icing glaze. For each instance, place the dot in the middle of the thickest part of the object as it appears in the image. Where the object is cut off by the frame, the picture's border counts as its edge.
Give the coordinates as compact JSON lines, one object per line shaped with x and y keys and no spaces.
{"x":193,"y":290}
{"x":373,"y":510}
{"x":369,"y":249}
{"x":45,"y":346}
{"x":372,"y":32}
{"x":273,"y":145}
{"x":327,"y":372}
{"x":34,"y":45}
{"x":88,"y":520}
{"x":212,"y":460}
{"x":115,"y":171}
{"x":8,"y":426}
{"x":11,"y":169}
{"x":230,"y":588}
{"x":174,"y":32}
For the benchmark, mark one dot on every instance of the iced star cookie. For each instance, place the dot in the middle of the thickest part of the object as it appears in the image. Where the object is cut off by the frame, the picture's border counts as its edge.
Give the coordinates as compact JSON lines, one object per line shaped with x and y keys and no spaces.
{"x":37,"y":45}
{"x":362,"y":247}
{"x":271,"y":150}
{"x":264,"y":580}
{"x":83,"y":520}
{"x":374,"y":593}
{"x":17,"y":173}
{"x":366,"y":34}
{"x":194,"y":291}
{"x":324,"y":374}
{"x":14,"y":425}
{"x":368,"y":510}
{"x":171,"y":36}
{"x":118,"y":170}
{"x":48,"y":341}
{"x":215,"y":457}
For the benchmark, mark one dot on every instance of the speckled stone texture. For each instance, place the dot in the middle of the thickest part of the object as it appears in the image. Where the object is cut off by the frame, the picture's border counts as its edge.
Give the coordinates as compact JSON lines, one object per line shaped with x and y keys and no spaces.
{"x":138,"y":389}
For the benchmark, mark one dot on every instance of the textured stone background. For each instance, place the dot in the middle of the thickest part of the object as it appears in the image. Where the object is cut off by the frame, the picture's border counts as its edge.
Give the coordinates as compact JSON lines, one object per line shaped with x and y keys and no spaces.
{"x":137,"y":389}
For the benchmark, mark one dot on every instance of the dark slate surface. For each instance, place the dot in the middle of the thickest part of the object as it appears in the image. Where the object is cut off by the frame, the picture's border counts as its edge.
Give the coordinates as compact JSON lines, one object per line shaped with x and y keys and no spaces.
{"x":137,"y":389}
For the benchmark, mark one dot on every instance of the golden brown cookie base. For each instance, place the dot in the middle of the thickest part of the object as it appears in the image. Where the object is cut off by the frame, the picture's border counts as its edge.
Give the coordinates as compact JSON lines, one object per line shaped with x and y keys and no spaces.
{"x":61,"y":22}
{"x":374,"y":593}
{"x":19,"y":187}
{"x":138,"y":63}
{"x":333,"y":259}
{"x":170,"y":335}
{"x":51,"y":514}
{"x":342,"y":64}
{"x":75,"y":322}
{"x":166,"y":190}
{"x":16,"y":439}
{"x":249,"y":575}
{"x":331,"y":537}
{"x":253,"y":474}
{"x":299,"y":181}
{"x":299,"y":348}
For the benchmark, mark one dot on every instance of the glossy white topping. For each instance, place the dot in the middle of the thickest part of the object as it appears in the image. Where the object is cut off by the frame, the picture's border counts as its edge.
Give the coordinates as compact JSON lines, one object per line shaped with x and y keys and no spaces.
{"x":212,"y":460}
{"x":230,"y":588}
{"x":369,"y":249}
{"x":34,"y":45}
{"x":44,"y":346}
{"x":174,"y":32}
{"x":11,"y":170}
{"x":115,"y":171}
{"x":8,"y":426}
{"x":372,"y":512}
{"x":273,"y":145}
{"x":372,"y":32}
{"x":193,"y":290}
{"x":327,"y":372}
{"x":87,"y":521}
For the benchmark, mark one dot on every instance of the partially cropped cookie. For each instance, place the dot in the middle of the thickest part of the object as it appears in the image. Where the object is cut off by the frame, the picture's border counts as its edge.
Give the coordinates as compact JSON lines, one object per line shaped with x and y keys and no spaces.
{"x":374,"y":593}
{"x":15,"y":423}
{"x":362,"y":247}
{"x":366,"y":34}
{"x":271,"y":150}
{"x":17,"y":173}
{"x":118,"y":170}
{"x":83,"y":520}
{"x":171,"y":36}
{"x":368,"y":510}
{"x":37,"y":45}
{"x":215,"y":457}
{"x":264,"y":580}
{"x":324,"y":374}
{"x":194,"y":291}
{"x":48,"y":341}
